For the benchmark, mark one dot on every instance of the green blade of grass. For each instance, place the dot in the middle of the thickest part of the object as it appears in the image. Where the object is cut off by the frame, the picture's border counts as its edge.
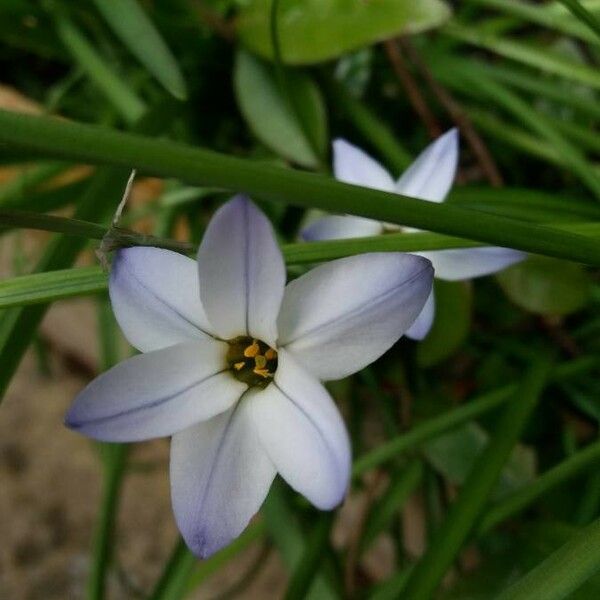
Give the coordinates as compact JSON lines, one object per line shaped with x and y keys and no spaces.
{"x":454,"y":418}
{"x":284,"y":530}
{"x":563,"y":571}
{"x":50,"y":286}
{"x":547,"y":16}
{"x":307,"y":567}
{"x":530,"y":55}
{"x":561,"y":473}
{"x":449,"y":538}
{"x":114,"y":459}
{"x":169,"y":159}
{"x":138,"y":34}
{"x":117,"y":92}
{"x":584,"y":15}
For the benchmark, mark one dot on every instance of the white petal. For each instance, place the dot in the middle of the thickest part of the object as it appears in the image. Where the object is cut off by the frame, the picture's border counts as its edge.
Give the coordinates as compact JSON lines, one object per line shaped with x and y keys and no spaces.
{"x":430,"y":177}
{"x":352,"y":165}
{"x":461,"y":264}
{"x":156,"y":299}
{"x":156,"y":394}
{"x":420,"y":328}
{"x":303,"y":433}
{"x":341,"y":316}
{"x":242,"y":274}
{"x":339,"y":228}
{"x":220,"y":476}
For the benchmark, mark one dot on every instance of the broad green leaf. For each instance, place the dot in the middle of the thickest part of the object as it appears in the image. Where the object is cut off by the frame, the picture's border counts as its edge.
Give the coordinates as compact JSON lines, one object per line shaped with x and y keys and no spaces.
{"x":273,"y":119}
{"x":546,"y":286}
{"x":454,"y":454}
{"x":452,"y":322}
{"x":137,"y":32}
{"x":316,"y":30}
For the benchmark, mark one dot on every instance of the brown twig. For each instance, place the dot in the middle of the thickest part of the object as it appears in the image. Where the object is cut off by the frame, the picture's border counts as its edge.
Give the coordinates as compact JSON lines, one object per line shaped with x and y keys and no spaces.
{"x":415,"y":97}
{"x":458,"y":116}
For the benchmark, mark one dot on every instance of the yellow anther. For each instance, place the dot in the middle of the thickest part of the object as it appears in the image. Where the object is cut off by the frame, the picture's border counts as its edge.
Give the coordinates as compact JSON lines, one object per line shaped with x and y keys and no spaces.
{"x":260,"y":361}
{"x":239,"y":366}
{"x":252,"y":350}
{"x":263,"y":372}
{"x":270,"y":354}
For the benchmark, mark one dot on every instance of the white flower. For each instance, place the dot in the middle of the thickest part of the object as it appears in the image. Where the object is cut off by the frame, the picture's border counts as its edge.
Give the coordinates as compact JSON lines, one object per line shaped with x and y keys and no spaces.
{"x":231,"y":365}
{"x":429,"y":178}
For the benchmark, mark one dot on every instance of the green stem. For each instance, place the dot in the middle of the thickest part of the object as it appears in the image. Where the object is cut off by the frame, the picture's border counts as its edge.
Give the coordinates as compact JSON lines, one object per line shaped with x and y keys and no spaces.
{"x":174,"y":579}
{"x":169,"y":159}
{"x":449,"y":538}
{"x":114,"y":469}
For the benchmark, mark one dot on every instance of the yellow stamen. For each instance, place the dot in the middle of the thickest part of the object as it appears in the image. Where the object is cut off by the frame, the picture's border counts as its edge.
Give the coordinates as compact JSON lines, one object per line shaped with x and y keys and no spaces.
{"x":239,"y":366}
{"x":252,"y":350}
{"x":263,"y":372}
{"x":260,"y":361}
{"x":270,"y":354}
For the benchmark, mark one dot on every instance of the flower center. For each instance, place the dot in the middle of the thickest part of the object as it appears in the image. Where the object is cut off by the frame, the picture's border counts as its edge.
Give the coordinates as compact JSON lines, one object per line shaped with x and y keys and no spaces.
{"x":252,"y":361}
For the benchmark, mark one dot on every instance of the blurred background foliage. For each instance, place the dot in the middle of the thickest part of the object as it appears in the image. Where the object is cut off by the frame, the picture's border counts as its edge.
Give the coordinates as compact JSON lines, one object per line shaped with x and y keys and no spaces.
{"x":476,"y":450}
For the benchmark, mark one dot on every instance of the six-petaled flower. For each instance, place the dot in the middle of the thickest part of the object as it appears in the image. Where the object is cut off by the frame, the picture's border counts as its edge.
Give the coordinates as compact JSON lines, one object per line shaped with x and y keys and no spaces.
{"x":231,"y":365}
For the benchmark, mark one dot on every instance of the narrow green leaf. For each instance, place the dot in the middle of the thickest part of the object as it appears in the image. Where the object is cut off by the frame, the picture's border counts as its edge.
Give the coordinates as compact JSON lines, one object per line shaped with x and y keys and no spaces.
{"x":454,"y":418}
{"x":283,"y":528}
{"x":270,"y":116}
{"x":582,"y":461}
{"x":134,"y":28}
{"x":451,"y":324}
{"x":318,"y":30}
{"x":534,"y":56}
{"x":546,"y":15}
{"x":584,"y":15}
{"x":173,"y":582}
{"x":19,"y":324}
{"x":308,"y":566}
{"x":562,"y":572}
{"x":115,"y":456}
{"x":546,"y":286}
{"x":169,"y":159}
{"x":463,"y":513}
{"x":121,"y":96}
{"x":533,"y":119}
